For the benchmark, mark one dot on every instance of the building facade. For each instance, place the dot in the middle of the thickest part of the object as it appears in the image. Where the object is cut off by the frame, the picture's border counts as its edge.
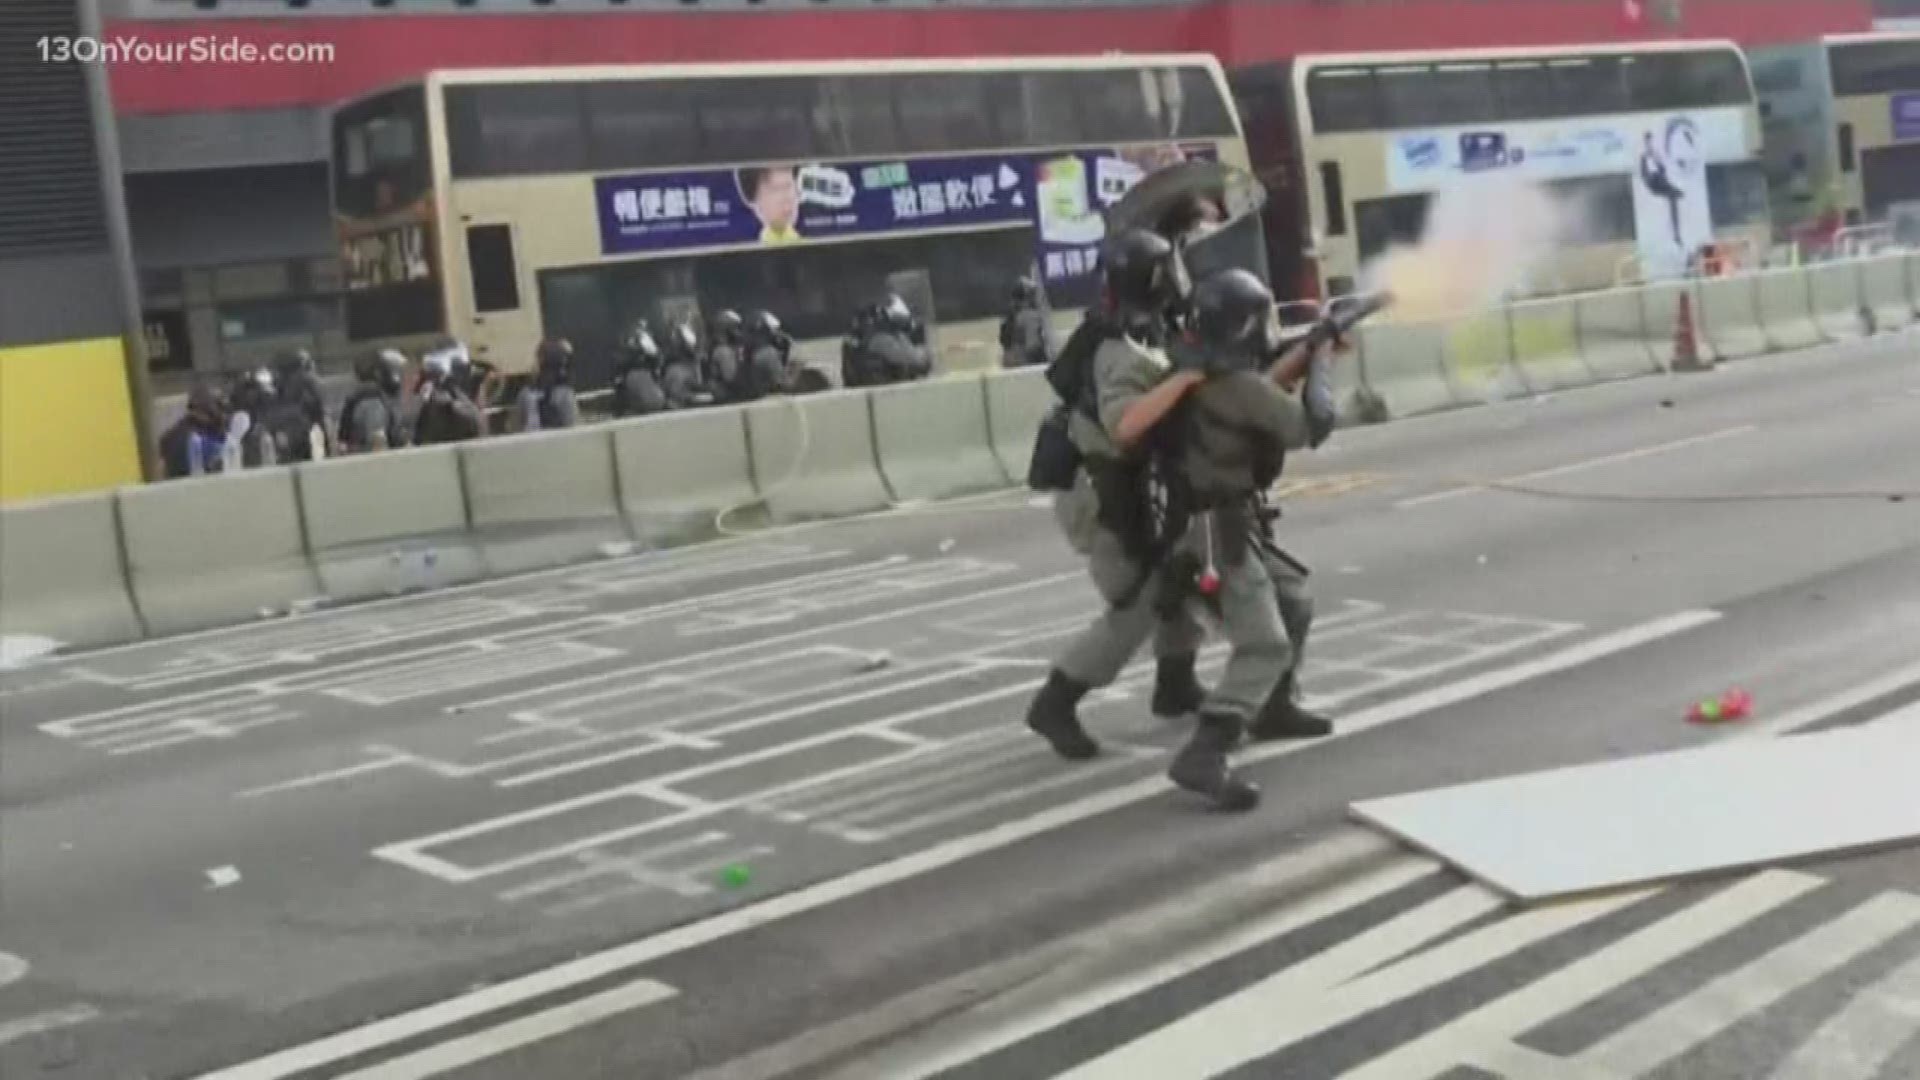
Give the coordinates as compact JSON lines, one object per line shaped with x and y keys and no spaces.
{"x":225,"y":154}
{"x":65,"y":421}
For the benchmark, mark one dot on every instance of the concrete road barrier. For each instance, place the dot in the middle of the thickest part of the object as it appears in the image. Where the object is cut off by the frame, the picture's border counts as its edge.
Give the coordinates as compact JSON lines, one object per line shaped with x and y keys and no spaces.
{"x":215,"y":551}
{"x":1729,"y":317}
{"x":1613,"y":332}
{"x":1477,"y":356}
{"x":680,"y":471}
{"x":384,"y":524}
{"x":1913,"y":281}
{"x":1016,"y":403}
{"x":1835,"y":295}
{"x":60,"y":573}
{"x":1883,"y":287}
{"x":544,"y":499}
{"x":1405,"y":365}
{"x":813,"y":457}
{"x":932,"y":439}
{"x":1786,"y":309}
{"x":1545,"y":336}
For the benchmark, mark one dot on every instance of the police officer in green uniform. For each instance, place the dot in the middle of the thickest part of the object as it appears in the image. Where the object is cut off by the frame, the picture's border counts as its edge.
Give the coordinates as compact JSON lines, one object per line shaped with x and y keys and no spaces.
{"x":1129,"y":388}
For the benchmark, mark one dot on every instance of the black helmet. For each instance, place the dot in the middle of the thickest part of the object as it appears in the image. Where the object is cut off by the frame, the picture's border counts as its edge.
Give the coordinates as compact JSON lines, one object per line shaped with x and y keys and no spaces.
{"x":1143,"y":277}
{"x":554,"y":357}
{"x":894,"y":313}
{"x":764,"y":326}
{"x":1025,"y":290}
{"x":683,"y":341}
{"x":639,"y":346}
{"x":1233,"y":320}
{"x":726,"y":326}
{"x":293,"y":363}
{"x":386,"y":369}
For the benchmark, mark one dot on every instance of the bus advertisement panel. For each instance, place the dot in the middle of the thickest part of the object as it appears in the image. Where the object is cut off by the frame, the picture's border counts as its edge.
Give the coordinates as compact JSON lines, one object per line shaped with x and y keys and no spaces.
{"x":1063,"y":196}
{"x":1667,"y":156}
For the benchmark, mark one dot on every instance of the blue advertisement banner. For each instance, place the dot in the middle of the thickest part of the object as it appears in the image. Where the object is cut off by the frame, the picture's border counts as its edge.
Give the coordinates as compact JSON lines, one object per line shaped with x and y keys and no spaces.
{"x":1064,"y":195}
{"x":1906,"y":117}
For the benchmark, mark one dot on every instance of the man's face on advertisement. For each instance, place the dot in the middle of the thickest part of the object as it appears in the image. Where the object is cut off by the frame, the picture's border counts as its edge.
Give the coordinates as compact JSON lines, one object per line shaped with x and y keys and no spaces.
{"x":777,"y":201}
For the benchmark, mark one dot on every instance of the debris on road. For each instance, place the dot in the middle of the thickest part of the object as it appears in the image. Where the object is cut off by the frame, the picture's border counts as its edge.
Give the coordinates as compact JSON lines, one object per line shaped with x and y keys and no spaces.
{"x":736,"y":876}
{"x":1732,"y":705}
{"x":222,"y":876}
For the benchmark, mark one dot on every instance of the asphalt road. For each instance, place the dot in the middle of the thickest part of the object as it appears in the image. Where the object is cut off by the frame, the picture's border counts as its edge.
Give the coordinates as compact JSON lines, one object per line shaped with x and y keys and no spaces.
{"x":764,"y":808}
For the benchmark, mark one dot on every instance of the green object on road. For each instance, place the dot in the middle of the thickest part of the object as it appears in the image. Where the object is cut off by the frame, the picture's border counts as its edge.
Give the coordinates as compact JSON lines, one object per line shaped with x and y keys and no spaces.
{"x":736,"y":876}
{"x":1710,"y":710}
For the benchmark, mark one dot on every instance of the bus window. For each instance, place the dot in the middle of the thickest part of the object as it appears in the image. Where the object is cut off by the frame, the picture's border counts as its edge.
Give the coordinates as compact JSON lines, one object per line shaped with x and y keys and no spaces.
{"x":1204,"y":109}
{"x":1875,"y":67}
{"x":1526,"y":92}
{"x":859,"y":109}
{"x":1336,"y":195}
{"x":757,"y":118}
{"x":1737,"y":192}
{"x":639,"y":122}
{"x":947,"y":111}
{"x":516,"y":128}
{"x":380,"y":153}
{"x":1343,"y":99}
{"x":496,"y":285}
{"x":1848,"y":159}
{"x":1436,"y":97}
{"x":1660,"y":82}
{"x":1590,"y":85}
{"x":1385,"y":223}
{"x":1113,"y":108}
{"x":1049,"y":115}
{"x":1604,"y":205}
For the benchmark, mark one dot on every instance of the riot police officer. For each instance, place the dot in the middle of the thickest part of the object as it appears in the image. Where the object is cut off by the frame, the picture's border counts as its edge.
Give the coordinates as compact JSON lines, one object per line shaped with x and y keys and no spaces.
{"x":550,"y":401}
{"x":638,"y":365}
{"x":1025,"y":337}
{"x":888,"y":346}
{"x":726,"y":354}
{"x":683,"y":379}
{"x":768,"y":359}
{"x":1118,"y":385}
{"x":297,"y":416}
{"x":442,"y":412}
{"x":371,"y":418}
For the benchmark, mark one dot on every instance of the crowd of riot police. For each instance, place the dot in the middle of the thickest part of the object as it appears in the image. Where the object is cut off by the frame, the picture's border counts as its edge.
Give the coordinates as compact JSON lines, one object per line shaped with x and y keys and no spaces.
{"x":278,"y":413}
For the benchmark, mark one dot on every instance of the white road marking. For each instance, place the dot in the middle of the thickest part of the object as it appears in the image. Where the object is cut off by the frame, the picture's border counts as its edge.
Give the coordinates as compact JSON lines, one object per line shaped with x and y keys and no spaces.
{"x":41,"y":1023}
{"x":1579,"y":466}
{"x":912,"y":865}
{"x":1859,"y":1042}
{"x":494,"y":1041}
{"x":1644,"y":1045}
{"x":1814,"y":713}
{"x":1572,"y":986}
{"x":222,"y":876}
{"x":1030,"y":1018}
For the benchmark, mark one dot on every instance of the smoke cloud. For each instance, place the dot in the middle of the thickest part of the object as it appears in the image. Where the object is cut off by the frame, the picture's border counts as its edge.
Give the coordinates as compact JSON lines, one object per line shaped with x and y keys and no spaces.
{"x":1484,"y":241}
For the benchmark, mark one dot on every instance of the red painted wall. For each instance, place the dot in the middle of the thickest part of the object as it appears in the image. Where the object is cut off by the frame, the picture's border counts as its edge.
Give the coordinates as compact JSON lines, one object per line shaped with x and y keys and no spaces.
{"x":377,"y":50}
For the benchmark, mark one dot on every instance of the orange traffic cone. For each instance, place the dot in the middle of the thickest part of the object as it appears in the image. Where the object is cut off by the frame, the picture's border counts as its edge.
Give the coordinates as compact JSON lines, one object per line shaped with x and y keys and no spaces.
{"x":1686,"y":344}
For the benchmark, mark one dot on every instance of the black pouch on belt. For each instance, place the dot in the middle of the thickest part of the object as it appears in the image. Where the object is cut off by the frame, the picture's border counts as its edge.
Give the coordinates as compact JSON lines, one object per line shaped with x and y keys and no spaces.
{"x":1055,"y":461}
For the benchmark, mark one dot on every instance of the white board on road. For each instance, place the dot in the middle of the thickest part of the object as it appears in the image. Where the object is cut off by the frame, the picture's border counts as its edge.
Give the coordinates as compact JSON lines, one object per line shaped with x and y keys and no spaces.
{"x":1643,"y":820}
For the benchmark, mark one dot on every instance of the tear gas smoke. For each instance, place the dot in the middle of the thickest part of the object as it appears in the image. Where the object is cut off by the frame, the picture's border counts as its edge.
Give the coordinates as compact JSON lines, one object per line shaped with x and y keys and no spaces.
{"x":1484,"y":240}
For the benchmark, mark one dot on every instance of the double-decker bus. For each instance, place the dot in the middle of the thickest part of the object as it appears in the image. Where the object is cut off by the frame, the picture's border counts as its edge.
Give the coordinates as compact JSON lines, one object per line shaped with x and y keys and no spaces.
{"x":501,"y":206}
{"x":1843,"y":133}
{"x":1659,"y":143}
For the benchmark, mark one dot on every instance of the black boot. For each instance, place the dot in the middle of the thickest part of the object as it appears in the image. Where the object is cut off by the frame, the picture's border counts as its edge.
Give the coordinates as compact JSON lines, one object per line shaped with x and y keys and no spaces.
{"x":1176,"y":690}
{"x":1201,"y":766}
{"x":1054,"y":716}
{"x":1283,"y":717}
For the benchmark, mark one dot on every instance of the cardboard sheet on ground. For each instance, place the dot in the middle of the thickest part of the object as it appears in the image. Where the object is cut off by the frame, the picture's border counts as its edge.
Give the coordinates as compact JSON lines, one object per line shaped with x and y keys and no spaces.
{"x":1645,"y":821}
